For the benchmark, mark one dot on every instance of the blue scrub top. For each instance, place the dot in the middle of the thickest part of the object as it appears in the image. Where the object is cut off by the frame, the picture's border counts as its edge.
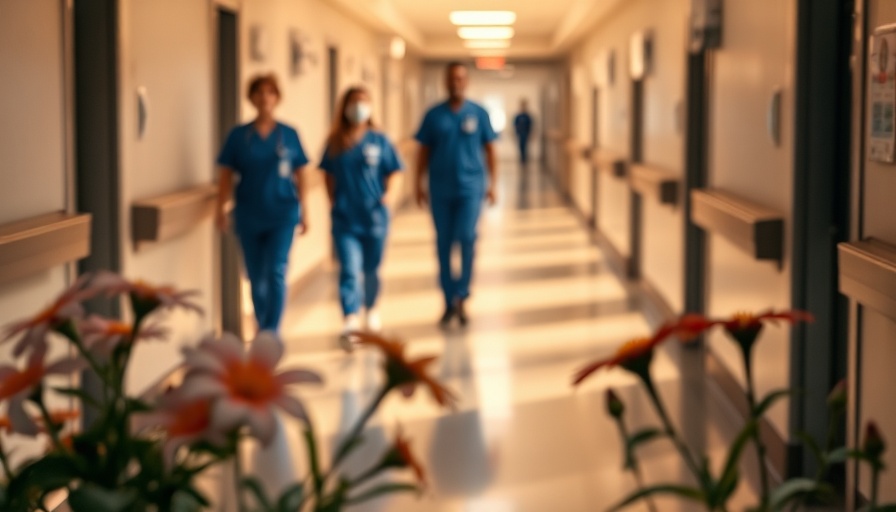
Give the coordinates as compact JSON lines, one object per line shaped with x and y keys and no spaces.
{"x":523,"y":125}
{"x":456,"y":140}
{"x":360,"y":174}
{"x":266,"y":192}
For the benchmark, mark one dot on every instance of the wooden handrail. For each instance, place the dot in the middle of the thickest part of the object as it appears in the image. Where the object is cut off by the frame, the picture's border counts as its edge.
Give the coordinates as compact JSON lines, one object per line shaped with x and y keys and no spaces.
{"x":868,"y":274}
{"x":654,"y":181}
{"x":757,"y":230}
{"x":610,"y":162}
{"x":41,"y":243}
{"x":164,"y":217}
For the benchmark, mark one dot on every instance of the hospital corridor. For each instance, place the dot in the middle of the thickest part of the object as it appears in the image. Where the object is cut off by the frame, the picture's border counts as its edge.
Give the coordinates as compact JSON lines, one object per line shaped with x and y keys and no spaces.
{"x":447,"y":255}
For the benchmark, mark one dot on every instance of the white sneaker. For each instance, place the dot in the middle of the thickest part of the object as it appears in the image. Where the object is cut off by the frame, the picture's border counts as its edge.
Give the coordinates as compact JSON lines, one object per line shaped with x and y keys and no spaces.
{"x":374,"y":322}
{"x":351,"y":325}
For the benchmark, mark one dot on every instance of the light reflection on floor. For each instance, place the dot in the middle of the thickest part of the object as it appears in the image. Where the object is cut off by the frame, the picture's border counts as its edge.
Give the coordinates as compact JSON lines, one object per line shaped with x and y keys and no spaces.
{"x":522,"y":440}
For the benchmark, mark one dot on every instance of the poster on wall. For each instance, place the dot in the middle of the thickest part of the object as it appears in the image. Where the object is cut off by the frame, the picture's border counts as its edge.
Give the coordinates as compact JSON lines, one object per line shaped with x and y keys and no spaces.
{"x":882,"y":95}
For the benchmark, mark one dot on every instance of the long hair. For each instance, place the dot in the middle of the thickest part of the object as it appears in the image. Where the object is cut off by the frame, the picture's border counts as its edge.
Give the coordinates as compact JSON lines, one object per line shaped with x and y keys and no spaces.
{"x":340,"y":138}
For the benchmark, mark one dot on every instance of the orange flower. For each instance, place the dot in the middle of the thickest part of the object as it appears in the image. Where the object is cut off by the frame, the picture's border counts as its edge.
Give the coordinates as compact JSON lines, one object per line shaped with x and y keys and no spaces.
{"x":688,"y":327}
{"x":145,"y":298}
{"x":245,"y":385}
{"x":400,"y":456}
{"x":102,"y":335}
{"x":183,"y":420}
{"x":634,"y":356}
{"x":744,"y":327}
{"x":404,"y":374}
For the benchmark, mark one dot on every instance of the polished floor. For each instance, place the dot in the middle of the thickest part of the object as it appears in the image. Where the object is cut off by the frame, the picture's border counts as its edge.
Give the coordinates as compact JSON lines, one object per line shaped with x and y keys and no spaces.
{"x":522,"y":439}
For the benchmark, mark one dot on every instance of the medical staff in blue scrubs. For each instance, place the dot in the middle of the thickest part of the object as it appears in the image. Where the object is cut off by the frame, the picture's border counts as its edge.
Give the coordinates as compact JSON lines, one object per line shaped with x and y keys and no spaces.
{"x":522,"y":125}
{"x":361,"y":169}
{"x":456,"y":146}
{"x":265,"y":158}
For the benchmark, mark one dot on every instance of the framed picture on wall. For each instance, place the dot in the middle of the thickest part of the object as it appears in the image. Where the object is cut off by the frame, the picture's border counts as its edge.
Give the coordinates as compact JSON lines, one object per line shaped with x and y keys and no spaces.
{"x":641,"y":54}
{"x":258,"y":43}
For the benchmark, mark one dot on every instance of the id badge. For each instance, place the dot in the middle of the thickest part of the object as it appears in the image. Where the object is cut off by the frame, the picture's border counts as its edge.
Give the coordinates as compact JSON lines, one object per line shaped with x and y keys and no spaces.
{"x":470,"y":125}
{"x":372,"y":154}
{"x":284,"y":168}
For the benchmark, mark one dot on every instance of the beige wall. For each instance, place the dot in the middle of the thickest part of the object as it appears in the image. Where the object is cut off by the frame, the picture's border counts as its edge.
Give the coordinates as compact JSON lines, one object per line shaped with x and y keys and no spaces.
{"x":166,"y":47}
{"x":663,"y":140}
{"x":758,"y":56}
{"x":32,"y":142}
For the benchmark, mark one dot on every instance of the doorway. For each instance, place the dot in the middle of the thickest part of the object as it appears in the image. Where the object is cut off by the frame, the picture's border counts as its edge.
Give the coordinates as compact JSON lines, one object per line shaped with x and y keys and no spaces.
{"x":332,"y":80}
{"x":227,"y":95}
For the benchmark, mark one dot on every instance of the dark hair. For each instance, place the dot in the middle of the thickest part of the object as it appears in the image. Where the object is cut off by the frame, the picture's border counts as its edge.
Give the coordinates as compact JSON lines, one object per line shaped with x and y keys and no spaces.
{"x":340,"y":138}
{"x":259,"y":80}
{"x":454,"y":64}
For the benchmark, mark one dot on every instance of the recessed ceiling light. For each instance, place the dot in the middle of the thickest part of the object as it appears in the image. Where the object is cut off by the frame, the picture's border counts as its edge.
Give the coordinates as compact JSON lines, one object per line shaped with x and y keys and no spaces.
{"x":482,"y":18}
{"x":487,"y":43}
{"x":485,"y":32}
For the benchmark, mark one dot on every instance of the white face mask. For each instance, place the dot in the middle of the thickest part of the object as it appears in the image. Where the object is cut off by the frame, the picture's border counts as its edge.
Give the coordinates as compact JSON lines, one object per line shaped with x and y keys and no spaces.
{"x":359,"y":112}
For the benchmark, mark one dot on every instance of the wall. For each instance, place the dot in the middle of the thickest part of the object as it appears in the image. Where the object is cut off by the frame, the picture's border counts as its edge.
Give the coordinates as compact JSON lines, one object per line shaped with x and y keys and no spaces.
{"x":663,"y":139}
{"x":166,"y":47}
{"x":33,"y":176}
{"x":758,"y":56}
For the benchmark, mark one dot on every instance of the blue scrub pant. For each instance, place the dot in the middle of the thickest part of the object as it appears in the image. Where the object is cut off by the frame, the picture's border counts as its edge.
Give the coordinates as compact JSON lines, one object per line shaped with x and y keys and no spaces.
{"x":524,"y":149}
{"x":266,"y":255}
{"x":359,"y":260}
{"x":455,"y":219}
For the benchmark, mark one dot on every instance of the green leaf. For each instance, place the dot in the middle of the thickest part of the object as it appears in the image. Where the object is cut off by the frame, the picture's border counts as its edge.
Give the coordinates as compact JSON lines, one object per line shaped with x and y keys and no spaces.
{"x":837,"y":456}
{"x":636,"y":440}
{"x":728,"y":479}
{"x":795,"y":488}
{"x":90,"y":498}
{"x":51,"y":472}
{"x":676,"y":490}
{"x":313,"y":459}
{"x":769,"y":400}
{"x":382,"y":490}
{"x":79,"y":394}
{"x":188,"y":500}
{"x":261,"y":496}
{"x":723,"y":490}
{"x":292,"y":499}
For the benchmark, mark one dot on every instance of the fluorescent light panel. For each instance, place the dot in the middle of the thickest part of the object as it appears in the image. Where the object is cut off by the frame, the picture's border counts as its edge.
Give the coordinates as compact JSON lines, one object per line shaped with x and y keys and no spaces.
{"x":482,"y":18}
{"x":485,"y":32}
{"x":487,"y":44}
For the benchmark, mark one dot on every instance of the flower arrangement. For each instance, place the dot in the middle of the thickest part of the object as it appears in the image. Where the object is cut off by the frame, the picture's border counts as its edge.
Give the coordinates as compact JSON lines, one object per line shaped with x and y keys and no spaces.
{"x":146,"y":454}
{"x":714,"y":490}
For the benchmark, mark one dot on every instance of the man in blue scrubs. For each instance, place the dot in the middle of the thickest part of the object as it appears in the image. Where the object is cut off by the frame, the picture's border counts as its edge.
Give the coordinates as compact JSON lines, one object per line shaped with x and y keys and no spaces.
{"x":522,"y":124}
{"x":456,"y":147}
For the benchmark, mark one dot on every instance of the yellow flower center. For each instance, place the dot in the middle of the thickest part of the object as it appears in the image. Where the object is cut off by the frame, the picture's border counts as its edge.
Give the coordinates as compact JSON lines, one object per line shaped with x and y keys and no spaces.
{"x":251,"y":382}
{"x":118,"y":329}
{"x":744,"y":319}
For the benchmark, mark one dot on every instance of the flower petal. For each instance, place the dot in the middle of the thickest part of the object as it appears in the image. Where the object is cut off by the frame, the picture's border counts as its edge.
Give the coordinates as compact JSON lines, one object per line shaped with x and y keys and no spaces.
{"x":266,"y":349}
{"x":67,"y":365}
{"x":228,"y":347}
{"x":262,"y":424}
{"x":298,"y":376}
{"x":200,"y":385}
{"x":228,"y":415}
{"x":202,"y":361}
{"x":292,"y":406}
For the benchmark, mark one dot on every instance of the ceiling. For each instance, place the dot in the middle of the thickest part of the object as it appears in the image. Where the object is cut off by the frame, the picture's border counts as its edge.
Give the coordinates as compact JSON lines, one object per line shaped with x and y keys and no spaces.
{"x":544,"y":28}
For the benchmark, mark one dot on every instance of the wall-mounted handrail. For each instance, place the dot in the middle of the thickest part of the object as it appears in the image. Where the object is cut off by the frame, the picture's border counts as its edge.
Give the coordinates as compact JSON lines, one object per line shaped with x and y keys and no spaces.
{"x":649,"y":180}
{"x":868,"y":274}
{"x":40,"y":243}
{"x":610,"y":162}
{"x":757,"y":230}
{"x":164,"y":217}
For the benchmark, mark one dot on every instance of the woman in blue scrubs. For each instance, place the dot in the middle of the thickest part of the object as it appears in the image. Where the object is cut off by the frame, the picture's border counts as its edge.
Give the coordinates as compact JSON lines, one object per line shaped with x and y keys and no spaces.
{"x":361,"y":170}
{"x":265,"y":158}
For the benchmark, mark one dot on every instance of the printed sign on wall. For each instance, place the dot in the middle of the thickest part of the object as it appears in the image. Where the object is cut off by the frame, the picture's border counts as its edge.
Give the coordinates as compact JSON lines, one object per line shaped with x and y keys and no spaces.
{"x":882,"y":95}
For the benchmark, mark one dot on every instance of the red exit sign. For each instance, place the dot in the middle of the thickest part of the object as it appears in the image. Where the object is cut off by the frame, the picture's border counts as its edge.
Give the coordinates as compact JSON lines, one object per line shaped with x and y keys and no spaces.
{"x":490,"y":62}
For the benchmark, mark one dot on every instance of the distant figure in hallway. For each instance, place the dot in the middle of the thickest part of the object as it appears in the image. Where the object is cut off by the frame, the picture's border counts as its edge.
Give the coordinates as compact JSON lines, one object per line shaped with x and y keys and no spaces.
{"x":267,"y":158}
{"x":361,"y":168}
{"x":522,"y":124}
{"x":456,"y":146}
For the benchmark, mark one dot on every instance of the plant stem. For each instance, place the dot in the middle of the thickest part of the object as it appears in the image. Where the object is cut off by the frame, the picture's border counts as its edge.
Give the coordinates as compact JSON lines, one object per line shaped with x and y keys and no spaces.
{"x":672,"y":434}
{"x":50,"y":426}
{"x":636,"y":468}
{"x":757,"y":434}
{"x":875,"y":482}
{"x":4,"y":461}
{"x":346,"y":444}
{"x":238,"y":476}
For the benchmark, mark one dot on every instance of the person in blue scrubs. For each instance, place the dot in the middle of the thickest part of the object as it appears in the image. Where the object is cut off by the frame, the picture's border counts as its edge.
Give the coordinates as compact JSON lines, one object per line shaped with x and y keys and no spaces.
{"x":265,"y":159}
{"x":361,"y":168}
{"x":456,"y":147}
{"x":522,"y":125}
